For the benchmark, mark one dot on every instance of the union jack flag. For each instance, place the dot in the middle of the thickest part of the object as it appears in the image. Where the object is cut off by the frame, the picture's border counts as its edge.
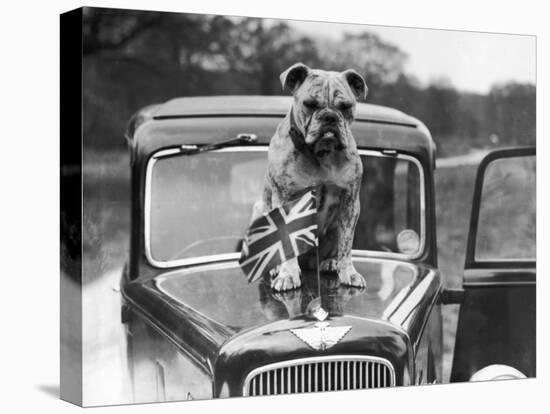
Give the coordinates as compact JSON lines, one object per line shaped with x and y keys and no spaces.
{"x":283,"y":233}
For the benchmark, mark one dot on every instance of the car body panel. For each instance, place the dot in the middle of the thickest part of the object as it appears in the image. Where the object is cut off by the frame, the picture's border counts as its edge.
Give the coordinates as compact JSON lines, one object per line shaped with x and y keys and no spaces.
{"x":257,"y":105}
{"x":201,"y":120}
{"x":222,"y":293}
{"x":274,"y":342}
{"x":166,"y":133}
{"x":497,"y":319}
{"x":210,"y":312}
{"x":428,"y":362}
{"x":496,"y":326}
{"x":158,"y":370}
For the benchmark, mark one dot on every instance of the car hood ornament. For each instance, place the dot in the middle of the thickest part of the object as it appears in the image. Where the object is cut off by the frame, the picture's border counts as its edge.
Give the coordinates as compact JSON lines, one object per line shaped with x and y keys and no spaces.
{"x":321,"y":336}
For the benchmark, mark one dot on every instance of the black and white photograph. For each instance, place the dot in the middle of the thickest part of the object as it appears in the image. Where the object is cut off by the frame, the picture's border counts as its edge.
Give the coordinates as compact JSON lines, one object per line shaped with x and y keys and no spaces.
{"x":278,"y":206}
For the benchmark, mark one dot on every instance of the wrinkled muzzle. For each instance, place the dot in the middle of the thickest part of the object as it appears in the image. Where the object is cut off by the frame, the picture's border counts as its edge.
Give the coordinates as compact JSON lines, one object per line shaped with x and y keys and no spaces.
{"x":325,"y":141}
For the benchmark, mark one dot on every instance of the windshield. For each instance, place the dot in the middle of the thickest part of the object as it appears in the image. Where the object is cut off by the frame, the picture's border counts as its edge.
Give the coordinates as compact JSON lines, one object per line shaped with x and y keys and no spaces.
{"x":198,"y":207}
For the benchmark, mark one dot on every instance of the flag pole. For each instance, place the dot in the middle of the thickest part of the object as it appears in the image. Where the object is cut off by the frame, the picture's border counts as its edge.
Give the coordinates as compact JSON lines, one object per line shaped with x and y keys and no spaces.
{"x":318,"y":273}
{"x":316,"y":190}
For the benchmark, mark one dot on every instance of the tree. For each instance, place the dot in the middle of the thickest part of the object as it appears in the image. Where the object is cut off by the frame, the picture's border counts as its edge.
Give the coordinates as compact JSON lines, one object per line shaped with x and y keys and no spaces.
{"x":511,"y":112}
{"x":111,"y":29}
{"x":441,"y":108}
{"x":263,"y":49}
{"x":380,"y":62}
{"x":135,"y":58}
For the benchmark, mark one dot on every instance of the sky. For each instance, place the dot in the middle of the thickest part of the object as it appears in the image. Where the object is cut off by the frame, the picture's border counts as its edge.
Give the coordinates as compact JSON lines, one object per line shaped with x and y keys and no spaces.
{"x":471,"y":61}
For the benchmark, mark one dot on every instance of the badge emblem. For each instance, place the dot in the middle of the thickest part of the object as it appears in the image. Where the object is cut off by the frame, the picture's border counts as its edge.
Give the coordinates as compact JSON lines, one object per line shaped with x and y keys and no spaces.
{"x":322,"y":336}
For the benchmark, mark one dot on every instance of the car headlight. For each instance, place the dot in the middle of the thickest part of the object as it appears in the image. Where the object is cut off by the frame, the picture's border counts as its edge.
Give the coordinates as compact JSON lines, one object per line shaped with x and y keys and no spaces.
{"x":497,"y":372}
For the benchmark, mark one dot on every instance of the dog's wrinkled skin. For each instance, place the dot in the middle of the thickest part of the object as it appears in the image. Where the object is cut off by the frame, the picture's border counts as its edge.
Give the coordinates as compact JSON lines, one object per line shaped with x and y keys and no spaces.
{"x":323,"y":109}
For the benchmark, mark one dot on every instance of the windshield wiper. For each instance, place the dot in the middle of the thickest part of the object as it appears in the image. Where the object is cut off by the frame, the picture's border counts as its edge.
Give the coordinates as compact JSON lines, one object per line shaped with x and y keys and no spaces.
{"x":239,"y":139}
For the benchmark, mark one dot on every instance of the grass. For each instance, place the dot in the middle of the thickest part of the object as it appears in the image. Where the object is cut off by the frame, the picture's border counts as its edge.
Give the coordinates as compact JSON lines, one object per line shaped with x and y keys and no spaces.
{"x":106,"y":212}
{"x":453,"y":190}
{"x":107,"y":223}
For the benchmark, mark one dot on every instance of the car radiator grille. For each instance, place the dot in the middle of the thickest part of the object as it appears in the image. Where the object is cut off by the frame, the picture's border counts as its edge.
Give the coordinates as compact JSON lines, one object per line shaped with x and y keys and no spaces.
{"x":320,"y":374}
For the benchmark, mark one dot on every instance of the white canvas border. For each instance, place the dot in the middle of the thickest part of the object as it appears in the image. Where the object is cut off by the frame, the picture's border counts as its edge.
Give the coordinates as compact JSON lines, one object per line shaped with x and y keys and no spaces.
{"x":30,"y":210}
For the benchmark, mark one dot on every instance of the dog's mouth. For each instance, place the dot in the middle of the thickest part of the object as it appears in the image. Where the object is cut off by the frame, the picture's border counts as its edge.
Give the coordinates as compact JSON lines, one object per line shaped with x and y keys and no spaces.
{"x":328,"y":141}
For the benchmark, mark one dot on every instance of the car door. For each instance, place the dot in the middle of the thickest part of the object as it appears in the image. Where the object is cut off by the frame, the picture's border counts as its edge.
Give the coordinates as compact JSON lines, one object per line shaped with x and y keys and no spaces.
{"x":497,"y":317}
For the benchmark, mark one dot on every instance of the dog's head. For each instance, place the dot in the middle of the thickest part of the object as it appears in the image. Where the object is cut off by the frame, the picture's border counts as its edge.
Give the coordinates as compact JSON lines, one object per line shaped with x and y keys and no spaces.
{"x":324,"y":105}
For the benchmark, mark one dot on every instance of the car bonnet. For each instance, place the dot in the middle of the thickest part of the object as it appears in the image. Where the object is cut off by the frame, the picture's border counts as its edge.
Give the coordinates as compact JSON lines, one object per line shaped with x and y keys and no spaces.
{"x":221,"y":293}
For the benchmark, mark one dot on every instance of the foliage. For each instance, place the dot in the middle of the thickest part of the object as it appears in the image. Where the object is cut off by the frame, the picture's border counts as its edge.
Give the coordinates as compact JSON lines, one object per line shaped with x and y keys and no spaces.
{"x":380,"y":62}
{"x":511,"y":110}
{"x":135,"y":58}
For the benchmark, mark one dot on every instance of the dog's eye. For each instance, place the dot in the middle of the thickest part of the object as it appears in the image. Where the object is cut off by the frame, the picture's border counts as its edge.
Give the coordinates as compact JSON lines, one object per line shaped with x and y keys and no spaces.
{"x":311,"y":104}
{"x":345,"y":106}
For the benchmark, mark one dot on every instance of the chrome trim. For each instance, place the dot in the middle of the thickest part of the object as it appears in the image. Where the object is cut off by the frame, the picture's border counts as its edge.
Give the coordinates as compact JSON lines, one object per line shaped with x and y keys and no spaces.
{"x":147,"y":212}
{"x":235,"y":256}
{"x":202,"y":363}
{"x":491,"y":260}
{"x":507,"y":283}
{"x":496,"y":372}
{"x":375,"y":376}
{"x":401,"y":313}
{"x":420,"y":251}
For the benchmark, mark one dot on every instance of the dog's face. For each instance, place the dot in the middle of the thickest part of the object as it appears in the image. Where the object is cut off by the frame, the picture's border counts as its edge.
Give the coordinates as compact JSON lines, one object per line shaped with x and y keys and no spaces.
{"x":324,"y":105}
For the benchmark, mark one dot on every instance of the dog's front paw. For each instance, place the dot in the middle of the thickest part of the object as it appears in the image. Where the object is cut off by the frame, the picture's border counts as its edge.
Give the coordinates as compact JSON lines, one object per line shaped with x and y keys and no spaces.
{"x":286,"y":281}
{"x":287,"y":277}
{"x":274,"y":272}
{"x":350,"y":277}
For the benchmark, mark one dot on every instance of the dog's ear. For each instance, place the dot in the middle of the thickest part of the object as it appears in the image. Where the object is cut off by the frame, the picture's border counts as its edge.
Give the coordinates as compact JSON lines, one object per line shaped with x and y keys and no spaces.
{"x":294,"y":76}
{"x":356,"y":83}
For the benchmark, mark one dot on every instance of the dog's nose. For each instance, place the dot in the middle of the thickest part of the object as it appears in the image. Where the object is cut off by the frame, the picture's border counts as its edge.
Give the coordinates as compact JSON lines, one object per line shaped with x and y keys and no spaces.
{"x":330,"y":117}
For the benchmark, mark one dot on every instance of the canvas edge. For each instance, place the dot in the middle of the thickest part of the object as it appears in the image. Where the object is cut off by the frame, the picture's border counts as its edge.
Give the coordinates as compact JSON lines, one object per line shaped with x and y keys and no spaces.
{"x":70,"y":388}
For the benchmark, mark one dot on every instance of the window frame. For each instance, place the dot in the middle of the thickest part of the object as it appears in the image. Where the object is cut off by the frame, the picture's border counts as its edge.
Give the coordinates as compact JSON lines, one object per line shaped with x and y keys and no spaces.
{"x":163,"y":153}
{"x":471,"y":262}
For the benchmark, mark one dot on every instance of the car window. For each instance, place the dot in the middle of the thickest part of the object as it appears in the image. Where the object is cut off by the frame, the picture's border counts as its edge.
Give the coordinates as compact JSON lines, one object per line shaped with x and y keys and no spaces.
{"x":507,"y":219}
{"x":391,"y":197}
{"x":200,"y":205}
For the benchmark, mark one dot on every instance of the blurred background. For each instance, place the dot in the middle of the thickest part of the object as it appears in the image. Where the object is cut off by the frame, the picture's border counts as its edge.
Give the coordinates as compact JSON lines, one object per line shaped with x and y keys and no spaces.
{"x":135,"y":58}
{"x":474,"y":91}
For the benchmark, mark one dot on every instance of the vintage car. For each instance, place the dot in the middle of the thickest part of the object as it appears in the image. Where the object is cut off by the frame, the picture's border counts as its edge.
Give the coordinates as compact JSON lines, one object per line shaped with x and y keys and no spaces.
{"x":197,"y":329}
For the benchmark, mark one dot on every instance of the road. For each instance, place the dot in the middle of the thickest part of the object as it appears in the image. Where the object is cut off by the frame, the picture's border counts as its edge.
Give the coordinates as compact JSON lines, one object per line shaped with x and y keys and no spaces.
{"x":472,"y":158}
{"x":105,"y":371}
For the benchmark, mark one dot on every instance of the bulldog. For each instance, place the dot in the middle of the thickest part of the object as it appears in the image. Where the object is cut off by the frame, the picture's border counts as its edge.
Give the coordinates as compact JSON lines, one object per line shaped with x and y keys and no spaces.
{"x":313,"y":146}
